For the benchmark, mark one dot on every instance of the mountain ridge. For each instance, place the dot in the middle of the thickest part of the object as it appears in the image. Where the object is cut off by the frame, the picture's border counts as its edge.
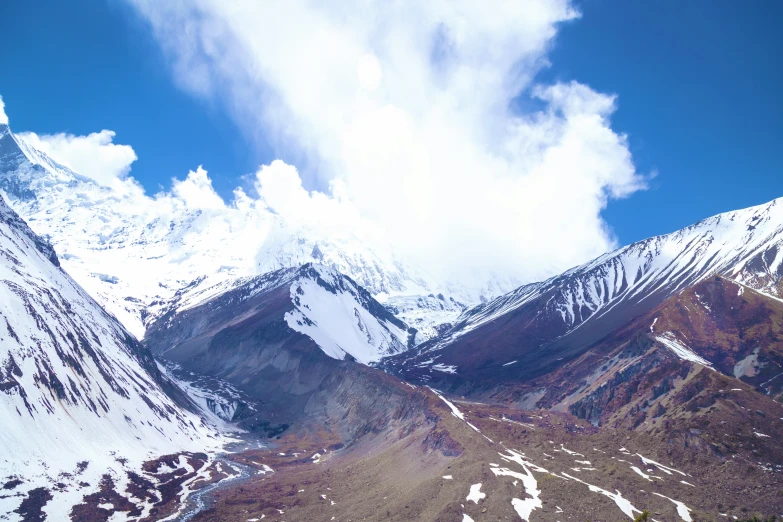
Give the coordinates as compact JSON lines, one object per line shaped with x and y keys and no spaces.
{"x":570,"y":311}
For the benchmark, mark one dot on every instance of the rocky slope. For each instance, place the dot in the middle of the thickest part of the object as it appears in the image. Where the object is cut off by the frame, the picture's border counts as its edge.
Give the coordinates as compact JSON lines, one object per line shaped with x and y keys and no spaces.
{"x":711,"y":341}
{"x":277,"y":337}
{"x":80,"y":398}
{"x":462,"y":460}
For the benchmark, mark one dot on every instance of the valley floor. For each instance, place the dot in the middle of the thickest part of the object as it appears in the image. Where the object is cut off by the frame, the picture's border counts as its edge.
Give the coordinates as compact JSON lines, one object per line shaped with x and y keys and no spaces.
{"x":496,"y":463}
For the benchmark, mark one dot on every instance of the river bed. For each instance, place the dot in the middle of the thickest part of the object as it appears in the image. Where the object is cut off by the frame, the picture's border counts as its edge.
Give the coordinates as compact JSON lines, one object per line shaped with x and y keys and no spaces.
{"x":198,"y":501}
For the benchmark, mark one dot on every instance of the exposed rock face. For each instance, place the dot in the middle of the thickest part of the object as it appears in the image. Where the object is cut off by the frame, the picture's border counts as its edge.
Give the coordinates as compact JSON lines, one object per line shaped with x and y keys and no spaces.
{"x":717,"y":326}
{"x":715,"y":336}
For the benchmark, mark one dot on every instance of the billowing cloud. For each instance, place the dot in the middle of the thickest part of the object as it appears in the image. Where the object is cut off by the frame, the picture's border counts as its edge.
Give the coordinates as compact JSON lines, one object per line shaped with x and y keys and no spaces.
{"x":94,"y":155}
{"x":280,"y":189}
{"x":196,"y":191}
{"x":3,"y":115}
{"x":405,"y":116}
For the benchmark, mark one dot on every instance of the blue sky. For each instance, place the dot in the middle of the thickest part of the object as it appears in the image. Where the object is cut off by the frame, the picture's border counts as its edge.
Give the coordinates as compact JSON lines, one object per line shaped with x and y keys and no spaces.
{"x":698,"y":86}
{"x":79,"y":67}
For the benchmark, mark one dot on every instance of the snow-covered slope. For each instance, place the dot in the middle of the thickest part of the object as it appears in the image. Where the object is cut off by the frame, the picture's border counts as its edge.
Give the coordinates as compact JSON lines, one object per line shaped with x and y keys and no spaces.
{"x":342,"y":318}
{"x":79,"y":396}
{"x":132,"y":252}
{"x":744,"y":245}
{"x":538,"y":327}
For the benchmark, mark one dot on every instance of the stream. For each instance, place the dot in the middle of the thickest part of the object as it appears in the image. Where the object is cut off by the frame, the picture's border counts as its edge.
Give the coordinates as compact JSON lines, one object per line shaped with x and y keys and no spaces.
{"x":197,"y":501}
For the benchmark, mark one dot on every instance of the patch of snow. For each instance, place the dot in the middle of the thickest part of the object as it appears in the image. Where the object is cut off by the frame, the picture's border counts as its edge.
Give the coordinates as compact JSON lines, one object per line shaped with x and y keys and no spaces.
{"x":331,"y":310}
{"x":660,"y":466}
{"x":680,"y":350}
{"x":475,"y":494}
{"x":455,"y":411}
{"x":563,"y":448}
{"x":506,"y":419}
{"x":444,"y":368}
{"x":682,"y":510}
{"x":623,"y":503}
{"x":523,"y":507}
{"x":641,"y":473}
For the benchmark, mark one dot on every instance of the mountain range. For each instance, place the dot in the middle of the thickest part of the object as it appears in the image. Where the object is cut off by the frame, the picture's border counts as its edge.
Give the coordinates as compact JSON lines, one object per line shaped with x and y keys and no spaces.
{"x":167,"y":242}
{"x":144,"y":336}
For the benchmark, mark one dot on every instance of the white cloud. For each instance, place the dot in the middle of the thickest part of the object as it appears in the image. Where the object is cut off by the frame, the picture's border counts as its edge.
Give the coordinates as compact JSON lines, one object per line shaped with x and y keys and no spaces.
{"x":280,"y":189}
{"x":196,"y":191}
{"x":405,"y":110}
{"x":94,"y":155}
{"x":3,"y":115}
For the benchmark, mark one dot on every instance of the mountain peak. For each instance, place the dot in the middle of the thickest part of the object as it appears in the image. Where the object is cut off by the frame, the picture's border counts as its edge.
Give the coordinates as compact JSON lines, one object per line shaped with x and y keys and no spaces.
{"x":333,"y":310}
{"x":26,"y":171}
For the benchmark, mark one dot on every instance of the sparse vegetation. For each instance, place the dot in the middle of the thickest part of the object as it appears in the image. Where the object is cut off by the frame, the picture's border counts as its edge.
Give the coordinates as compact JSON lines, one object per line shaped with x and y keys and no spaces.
{"x":644,"y":516}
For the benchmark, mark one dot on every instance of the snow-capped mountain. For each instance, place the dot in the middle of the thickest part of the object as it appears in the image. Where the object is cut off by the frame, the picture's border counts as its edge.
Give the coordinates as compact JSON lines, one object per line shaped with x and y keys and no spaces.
{"x":79,"y":396}
{"x":132,"y":252}
{"x":281,"y":338}
{"x":569,"y":311}
{"x":341,"y":317}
